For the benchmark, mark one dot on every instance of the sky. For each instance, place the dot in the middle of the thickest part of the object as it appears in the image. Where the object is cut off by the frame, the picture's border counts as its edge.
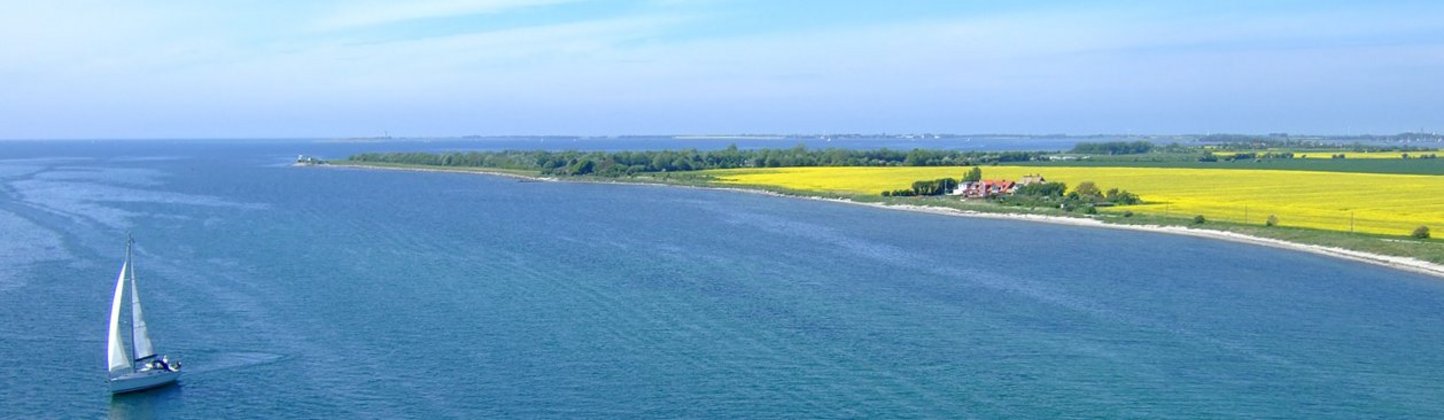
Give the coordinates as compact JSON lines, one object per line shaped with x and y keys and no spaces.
{"x":266,"y":69}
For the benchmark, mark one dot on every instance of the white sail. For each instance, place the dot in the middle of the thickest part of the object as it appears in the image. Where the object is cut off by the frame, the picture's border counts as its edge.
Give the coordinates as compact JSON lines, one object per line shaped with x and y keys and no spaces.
{"x":115,"y":356}
{"x":139,"y":335}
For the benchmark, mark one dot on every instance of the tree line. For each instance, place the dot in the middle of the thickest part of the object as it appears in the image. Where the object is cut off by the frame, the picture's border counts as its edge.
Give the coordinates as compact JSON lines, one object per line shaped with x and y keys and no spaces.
{"x":926,"y":187}
{"x":1113,"y":148}
{"x":624,"y":163}
{"x":1208,"y":156}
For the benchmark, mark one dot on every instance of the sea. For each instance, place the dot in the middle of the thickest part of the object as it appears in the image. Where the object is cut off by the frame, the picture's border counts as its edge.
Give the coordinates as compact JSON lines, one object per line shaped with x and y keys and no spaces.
{"x":312,"y":292}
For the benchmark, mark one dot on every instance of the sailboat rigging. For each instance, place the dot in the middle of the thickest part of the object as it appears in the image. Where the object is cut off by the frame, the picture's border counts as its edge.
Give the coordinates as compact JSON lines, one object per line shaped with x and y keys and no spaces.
{"x":141,"y":369}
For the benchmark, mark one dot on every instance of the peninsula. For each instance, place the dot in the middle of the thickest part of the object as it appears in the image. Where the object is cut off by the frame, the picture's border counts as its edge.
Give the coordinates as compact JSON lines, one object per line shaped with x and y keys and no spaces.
{"x":1366,"y":203}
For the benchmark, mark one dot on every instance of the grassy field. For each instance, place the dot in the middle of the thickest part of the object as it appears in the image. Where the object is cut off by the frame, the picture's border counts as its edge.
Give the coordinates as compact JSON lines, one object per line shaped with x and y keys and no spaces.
{"x":1388,"y":204}
{"x":1329,"y":154}
{"x":1380,"y":166}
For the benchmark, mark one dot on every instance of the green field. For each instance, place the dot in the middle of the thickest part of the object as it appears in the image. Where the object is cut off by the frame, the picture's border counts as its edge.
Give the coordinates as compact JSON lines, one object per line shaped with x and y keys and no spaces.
{"x":1378,"y":166}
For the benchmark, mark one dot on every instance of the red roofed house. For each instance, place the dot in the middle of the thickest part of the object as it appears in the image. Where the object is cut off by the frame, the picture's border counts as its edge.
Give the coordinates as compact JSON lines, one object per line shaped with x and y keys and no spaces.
{"x":988,"y":188}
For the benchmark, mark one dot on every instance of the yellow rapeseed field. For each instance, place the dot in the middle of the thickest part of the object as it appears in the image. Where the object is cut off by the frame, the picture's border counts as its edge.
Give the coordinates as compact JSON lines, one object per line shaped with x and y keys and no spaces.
{"x":1377,"y":203}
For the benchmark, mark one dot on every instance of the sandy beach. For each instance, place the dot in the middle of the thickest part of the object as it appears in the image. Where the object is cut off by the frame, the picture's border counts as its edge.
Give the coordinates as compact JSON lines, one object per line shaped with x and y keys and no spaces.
{"x":1400,"y":263}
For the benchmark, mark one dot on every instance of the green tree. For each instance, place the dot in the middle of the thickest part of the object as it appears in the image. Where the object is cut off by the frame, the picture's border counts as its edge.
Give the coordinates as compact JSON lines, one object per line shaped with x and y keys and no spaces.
{"x":938,"y":186}
{"x":1121,"y":197}
{"x":915,"y":158}
{"x":973,"y":175}
{"x":1113,"y":148}
{"x":1088,"y":190}
{"x":1046,"y":189}
{"x":582,"y":167}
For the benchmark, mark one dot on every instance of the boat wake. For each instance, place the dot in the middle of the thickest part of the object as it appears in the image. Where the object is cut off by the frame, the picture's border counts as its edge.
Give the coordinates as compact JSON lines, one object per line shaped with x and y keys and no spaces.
{"x":198,"y":362}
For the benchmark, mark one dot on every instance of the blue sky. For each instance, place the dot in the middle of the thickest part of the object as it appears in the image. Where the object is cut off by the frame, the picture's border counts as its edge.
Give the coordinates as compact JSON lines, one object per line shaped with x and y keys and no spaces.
{"x":233,"y":68}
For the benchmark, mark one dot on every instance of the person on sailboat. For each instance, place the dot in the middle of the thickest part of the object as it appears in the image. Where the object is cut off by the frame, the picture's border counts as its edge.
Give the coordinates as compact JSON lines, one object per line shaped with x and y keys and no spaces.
{"x":164,"y":364}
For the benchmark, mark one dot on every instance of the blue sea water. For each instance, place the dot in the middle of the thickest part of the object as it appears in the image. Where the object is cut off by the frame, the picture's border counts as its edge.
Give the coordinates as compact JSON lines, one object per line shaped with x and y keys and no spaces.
{"x":310,"y":292}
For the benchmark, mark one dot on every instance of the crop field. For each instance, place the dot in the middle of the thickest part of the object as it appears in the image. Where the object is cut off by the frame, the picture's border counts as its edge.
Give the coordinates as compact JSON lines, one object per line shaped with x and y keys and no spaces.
{"x":1330,"y":155}
{"x":1389,"y":204}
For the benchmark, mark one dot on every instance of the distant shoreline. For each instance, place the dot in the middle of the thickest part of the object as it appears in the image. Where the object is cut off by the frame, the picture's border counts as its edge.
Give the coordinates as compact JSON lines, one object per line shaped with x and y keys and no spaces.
{"x":1413,"y":265}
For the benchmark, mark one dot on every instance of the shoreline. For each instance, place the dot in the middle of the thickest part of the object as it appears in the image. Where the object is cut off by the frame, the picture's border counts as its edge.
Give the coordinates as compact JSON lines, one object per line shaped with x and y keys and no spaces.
{"x":1413,"y":265}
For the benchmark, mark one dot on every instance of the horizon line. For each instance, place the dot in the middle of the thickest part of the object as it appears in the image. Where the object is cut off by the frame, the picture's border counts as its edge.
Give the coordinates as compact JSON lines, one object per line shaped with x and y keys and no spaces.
{"x":733,"y":136}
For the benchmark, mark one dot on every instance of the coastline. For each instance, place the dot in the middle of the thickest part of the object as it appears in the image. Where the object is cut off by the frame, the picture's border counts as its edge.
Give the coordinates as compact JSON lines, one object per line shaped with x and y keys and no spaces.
{"x":1413,"y":265}
{"x":479,"y":171}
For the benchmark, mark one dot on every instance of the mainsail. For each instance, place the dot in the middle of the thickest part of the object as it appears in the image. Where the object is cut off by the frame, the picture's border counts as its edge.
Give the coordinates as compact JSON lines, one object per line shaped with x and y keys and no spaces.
{"x":139,"y":335}
{"x":115,"y":356}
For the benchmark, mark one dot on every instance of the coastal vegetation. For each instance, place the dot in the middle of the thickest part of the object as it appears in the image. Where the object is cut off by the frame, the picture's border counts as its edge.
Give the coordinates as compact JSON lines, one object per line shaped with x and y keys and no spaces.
{"x":1263,"y":188}
{"x":624,"y":163}
{"x":938,"y":186}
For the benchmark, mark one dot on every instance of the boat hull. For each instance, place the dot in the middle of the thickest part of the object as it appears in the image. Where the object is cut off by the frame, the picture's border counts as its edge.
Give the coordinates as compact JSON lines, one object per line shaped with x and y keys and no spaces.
{"x":142,"y":380}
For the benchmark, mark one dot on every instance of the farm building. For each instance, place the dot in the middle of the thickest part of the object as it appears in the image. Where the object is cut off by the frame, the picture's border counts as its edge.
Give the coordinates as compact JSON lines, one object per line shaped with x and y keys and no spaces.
{"x":1031,"y":179}
{"x":987,"y":188}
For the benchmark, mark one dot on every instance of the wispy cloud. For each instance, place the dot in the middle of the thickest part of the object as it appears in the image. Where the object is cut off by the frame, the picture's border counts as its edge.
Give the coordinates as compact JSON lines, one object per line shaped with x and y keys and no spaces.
{"x":380,"y":13}
{"x":113,"y":68}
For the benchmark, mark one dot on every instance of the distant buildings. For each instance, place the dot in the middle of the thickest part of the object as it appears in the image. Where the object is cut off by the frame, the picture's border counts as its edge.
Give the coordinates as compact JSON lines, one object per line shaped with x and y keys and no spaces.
{"x":987,"y":188}
{"x":990,"y":188}
{"x":1031,"y":179}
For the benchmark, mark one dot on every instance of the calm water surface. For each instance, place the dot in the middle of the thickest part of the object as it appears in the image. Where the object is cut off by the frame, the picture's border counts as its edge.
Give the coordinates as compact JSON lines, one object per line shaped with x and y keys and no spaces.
{"x":294,"y":292}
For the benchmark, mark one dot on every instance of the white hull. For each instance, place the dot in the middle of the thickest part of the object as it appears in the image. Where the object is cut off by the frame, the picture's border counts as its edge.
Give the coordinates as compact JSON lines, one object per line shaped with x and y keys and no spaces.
{"x":145,"y":379}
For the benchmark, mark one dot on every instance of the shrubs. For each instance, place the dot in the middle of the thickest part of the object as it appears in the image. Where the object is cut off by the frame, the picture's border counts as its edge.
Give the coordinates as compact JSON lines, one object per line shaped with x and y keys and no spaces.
{"x":938,"y":186}
{"x":1198,"y":220}
{"x":1121,"y":197}
{"x":1421,"y":232}
{"x":1086,"y":196}
{"x":1272,"y":221}
{"x":1046,"y":189}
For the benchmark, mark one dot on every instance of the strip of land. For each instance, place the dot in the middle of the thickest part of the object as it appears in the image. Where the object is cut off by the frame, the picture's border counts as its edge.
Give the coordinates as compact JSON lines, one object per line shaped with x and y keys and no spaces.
{"x":1331,"y":244}
{"x":1377,"y":203}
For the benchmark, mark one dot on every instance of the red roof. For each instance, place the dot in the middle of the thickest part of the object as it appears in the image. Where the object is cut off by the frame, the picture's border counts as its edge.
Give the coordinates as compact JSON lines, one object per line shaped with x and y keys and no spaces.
{"x":997,"y":183}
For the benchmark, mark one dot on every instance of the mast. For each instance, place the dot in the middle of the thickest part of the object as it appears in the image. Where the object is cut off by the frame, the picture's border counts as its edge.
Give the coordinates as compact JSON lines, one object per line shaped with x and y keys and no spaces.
{"x":139,"y":334}
{"x":116,"y":359}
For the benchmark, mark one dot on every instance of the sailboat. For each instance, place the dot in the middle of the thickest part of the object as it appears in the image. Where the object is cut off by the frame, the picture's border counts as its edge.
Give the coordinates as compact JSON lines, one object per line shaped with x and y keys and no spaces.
{"x":141,"y":369}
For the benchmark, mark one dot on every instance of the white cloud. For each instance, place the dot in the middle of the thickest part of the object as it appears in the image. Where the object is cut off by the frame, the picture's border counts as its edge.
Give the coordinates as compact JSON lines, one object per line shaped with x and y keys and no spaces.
{"x":379,"y":13}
